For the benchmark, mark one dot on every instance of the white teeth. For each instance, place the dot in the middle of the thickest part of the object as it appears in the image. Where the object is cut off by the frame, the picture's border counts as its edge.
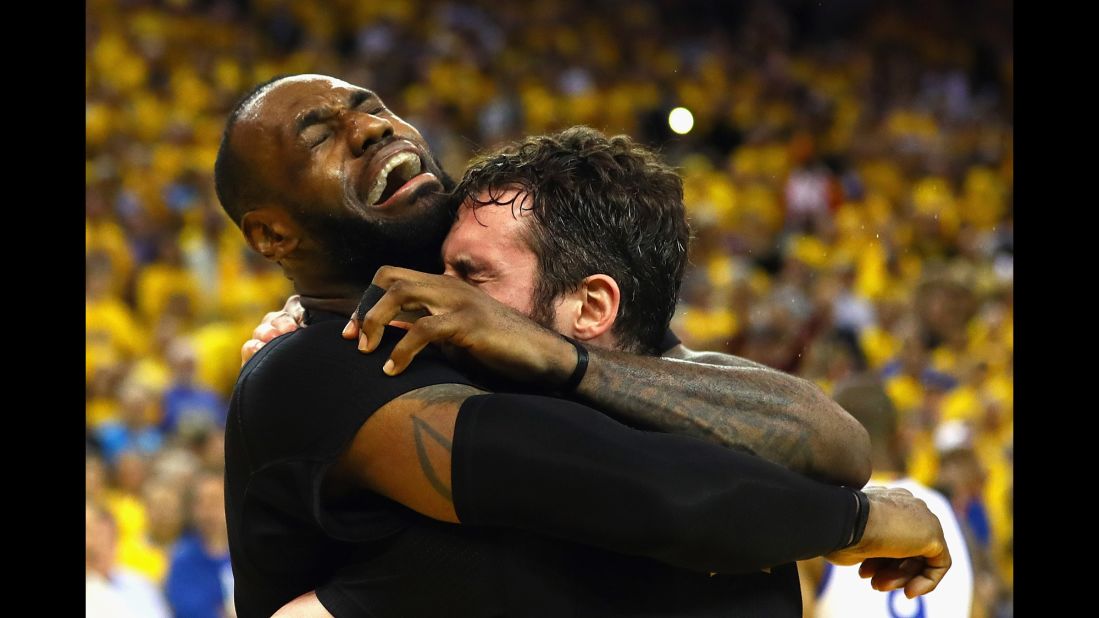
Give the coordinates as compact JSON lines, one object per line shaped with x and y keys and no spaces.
{"x":410,"y":166}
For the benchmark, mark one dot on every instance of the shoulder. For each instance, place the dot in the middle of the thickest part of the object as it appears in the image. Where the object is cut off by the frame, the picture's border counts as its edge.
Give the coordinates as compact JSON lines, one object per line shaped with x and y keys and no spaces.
{"x":288,"y":351}
{"x":307,"y":393}
{"x":682,"y":352}
{"x":319,"y":352}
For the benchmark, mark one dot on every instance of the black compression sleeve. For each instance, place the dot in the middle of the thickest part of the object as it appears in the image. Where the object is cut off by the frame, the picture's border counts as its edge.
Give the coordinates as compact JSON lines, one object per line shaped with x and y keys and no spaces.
{"x":559,"y":468}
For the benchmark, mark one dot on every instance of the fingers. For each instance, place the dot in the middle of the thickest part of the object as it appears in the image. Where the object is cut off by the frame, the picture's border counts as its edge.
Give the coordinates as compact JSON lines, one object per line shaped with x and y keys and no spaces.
{"x":401,"y":296}
{"x":913,"y":575}
{"x":897,"y":574}
{"x":265,"y":333}
{"x":405,"y":292}
{"x":870,"y":566}
{"x":920,"y":585}
{"x":274,"y":324}
{"x":249,"y":349}
{"x":928,"y":579}
{"x":386,"y":276}
{"x":351,"y":331}
{"x":294,"y":309}
{"x":424,"y":331}
{"x":917,"y":575}
{"x":373,"y":323}
{"x":284,"y":323}
{"x":276,"y":328}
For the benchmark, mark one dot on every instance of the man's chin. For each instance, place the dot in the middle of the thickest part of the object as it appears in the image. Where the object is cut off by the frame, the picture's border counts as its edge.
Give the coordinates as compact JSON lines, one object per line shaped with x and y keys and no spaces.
{"x":357,"y":246}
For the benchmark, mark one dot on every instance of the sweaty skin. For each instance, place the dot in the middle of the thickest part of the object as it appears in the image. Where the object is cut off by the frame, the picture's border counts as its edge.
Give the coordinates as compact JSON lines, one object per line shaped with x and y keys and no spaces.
{"x":720,"y":398}
{"x":335,"y":169}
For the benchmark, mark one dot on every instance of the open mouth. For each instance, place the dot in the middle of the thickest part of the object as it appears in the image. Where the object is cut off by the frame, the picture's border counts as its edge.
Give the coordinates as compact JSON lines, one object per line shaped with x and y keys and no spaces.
{"x":395,"y":174}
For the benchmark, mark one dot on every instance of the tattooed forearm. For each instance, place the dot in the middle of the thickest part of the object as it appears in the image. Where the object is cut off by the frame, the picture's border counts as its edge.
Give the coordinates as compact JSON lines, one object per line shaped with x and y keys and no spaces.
{"x":419,"y":429}
{"x":743,"y":405}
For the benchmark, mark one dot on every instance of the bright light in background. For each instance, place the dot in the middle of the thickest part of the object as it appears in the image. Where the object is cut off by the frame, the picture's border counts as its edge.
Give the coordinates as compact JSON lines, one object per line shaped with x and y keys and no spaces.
{"x":681,"y":120}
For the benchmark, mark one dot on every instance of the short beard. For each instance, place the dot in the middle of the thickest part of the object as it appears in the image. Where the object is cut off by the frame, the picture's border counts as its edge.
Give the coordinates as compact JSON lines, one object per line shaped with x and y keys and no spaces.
{"x":356,"y":248}
{"x":543,"y":307}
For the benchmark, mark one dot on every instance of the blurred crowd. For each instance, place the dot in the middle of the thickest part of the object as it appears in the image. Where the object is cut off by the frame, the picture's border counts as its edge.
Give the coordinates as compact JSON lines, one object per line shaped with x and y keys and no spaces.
{"x":848,"y":180}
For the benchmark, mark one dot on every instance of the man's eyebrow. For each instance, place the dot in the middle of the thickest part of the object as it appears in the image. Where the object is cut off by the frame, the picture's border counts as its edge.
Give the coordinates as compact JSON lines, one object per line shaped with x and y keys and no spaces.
{"x":359,"y":96}
{"x":320,"y":114}
{"x":465,"y":265}
{"x":314,"y":116}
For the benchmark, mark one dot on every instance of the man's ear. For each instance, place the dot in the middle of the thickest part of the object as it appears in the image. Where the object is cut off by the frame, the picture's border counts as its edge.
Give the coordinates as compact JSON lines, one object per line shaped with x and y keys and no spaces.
{"x":270,"y":232}
{"x":599,"y":298}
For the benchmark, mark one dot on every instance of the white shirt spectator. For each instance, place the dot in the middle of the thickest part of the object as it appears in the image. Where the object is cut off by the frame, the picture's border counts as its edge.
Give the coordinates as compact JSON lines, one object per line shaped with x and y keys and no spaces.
{"x":103,"y":601}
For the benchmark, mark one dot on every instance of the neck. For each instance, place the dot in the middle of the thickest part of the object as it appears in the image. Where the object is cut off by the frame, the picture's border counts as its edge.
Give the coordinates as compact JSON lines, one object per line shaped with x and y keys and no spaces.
{"x":330,"y":291}
{"x":605,"y":340}
{"x":322,"y":282}
{"x":340,"y":306}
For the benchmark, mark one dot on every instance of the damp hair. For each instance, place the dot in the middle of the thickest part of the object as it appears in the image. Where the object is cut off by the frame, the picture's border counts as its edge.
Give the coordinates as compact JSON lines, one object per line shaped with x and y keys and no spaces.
{"x":597,"y":204}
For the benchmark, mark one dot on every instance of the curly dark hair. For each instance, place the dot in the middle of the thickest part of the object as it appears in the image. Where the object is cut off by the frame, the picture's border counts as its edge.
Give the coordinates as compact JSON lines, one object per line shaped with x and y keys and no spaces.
{"x":599,"y":205}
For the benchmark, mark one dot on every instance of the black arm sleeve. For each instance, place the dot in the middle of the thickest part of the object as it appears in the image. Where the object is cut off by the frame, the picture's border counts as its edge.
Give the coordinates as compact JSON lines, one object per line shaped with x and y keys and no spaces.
{"x":559,"y":468}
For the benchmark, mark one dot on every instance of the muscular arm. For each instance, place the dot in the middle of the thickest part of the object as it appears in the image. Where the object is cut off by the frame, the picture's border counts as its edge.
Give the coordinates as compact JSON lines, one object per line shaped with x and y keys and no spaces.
{"x":735,"y":403}
{"x":559,"y":468}
{"x":549,"y":466}
{"x":719,"y":398}
{"x":404,"y":451}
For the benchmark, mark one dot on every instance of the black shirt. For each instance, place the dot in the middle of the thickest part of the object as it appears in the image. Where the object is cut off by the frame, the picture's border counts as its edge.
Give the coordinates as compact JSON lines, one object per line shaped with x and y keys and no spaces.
{"x":296,"y":407}
{"x":299,"y":402}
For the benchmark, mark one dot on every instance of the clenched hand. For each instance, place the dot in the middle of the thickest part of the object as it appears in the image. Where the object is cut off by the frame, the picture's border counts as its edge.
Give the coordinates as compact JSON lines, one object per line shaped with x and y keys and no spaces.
{"x":902,"y":546}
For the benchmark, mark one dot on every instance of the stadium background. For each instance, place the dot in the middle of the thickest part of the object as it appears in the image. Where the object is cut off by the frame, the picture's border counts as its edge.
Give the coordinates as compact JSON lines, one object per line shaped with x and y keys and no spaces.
{"x":848,"y":179}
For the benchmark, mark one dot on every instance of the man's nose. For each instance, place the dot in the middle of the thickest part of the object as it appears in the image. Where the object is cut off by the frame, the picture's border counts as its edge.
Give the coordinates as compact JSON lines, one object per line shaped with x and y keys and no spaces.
{"x":365,"y":130}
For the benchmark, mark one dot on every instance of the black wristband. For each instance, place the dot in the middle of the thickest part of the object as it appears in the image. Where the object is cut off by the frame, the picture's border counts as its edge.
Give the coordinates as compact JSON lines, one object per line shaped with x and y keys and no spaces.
{"x":581,"y":366}
{"x":862,"y":514}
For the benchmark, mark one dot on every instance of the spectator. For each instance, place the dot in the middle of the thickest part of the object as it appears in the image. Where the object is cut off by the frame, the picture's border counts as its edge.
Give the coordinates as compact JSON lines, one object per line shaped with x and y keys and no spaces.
{"x":135,"y":429}
{"x":111,"y":590}
{"x":849,"y":182}
{"x":185,"y":402}
{"x":200,"y":578}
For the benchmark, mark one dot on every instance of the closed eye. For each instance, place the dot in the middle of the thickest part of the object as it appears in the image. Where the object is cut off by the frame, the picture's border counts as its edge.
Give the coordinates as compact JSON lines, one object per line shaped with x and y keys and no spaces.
{"x":467,"y":271}
{"x":475,"y":280}
{"x":315,"y":135}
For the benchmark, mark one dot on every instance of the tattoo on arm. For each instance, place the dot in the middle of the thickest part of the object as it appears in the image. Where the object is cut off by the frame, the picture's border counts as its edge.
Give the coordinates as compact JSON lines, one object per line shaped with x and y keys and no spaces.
{"x":426,"y":401}
{"x":419,"y":429}
{"x":740,"y":405}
